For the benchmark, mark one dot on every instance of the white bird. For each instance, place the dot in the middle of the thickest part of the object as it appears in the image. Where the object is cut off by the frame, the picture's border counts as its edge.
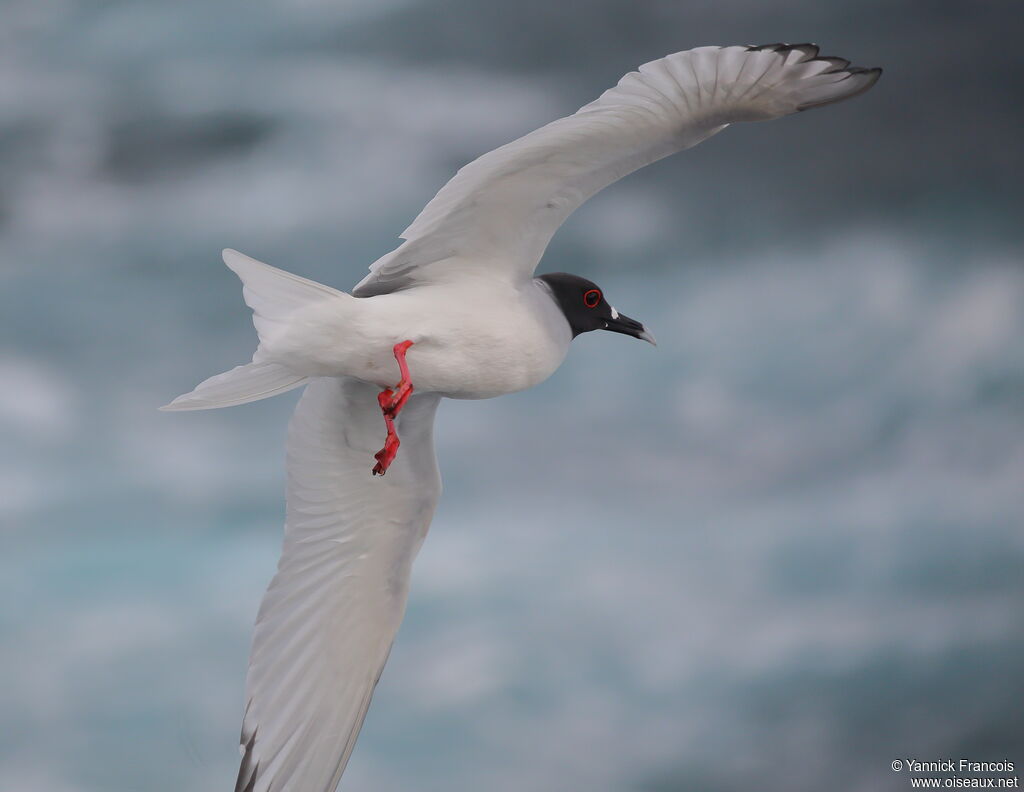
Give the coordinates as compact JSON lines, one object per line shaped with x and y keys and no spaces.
{"x":459,"y":310}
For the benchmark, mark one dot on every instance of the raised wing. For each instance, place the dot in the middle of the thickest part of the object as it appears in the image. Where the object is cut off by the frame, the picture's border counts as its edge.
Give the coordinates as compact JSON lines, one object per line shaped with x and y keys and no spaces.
{"x":502,"y":209}
{"x":327,"y":621}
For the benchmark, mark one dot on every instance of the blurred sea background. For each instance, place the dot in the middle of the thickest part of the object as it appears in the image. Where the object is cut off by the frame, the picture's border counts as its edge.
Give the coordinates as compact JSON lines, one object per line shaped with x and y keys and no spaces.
{"x":777,"y":552}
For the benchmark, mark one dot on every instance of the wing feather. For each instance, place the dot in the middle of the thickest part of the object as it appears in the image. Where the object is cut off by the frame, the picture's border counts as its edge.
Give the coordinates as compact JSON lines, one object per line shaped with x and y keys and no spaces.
{"x":501,"y":210}
{"x":328,"y":619}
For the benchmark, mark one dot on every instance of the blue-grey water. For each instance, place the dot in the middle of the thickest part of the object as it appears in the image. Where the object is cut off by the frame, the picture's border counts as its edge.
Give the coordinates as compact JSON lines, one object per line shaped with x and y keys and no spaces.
{"x":777,"y":552}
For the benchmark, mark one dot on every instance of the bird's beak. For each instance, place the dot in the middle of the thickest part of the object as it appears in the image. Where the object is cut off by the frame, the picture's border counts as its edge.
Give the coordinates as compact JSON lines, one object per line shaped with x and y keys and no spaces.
{"x":620,"y":323}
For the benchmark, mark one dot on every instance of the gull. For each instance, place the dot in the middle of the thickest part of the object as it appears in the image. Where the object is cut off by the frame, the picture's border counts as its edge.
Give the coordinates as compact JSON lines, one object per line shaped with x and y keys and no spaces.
{"x":455,"y":311}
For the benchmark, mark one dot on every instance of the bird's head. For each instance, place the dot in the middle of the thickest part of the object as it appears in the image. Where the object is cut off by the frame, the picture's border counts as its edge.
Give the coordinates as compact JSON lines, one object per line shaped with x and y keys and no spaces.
{"x":586,"y":309}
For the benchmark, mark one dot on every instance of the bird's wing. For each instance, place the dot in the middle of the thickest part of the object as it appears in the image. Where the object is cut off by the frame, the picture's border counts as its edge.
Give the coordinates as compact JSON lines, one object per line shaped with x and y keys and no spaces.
{"x":331,"y":612}
{"x":502,"y":209}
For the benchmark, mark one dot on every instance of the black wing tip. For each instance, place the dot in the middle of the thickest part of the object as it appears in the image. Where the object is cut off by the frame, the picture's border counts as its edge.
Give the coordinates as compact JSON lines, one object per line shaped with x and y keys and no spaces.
{"x":854,"y":71}
{"x":875,"y":70}
{"x":249,"y":769}
{"x":810,"y":52}
{"x":838,"y":64}
{"x":809,"y":49}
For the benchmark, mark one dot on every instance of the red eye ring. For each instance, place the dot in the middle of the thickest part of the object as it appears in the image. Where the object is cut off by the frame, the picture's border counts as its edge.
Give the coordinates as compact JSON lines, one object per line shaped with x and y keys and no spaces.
{"x":592,"y":298}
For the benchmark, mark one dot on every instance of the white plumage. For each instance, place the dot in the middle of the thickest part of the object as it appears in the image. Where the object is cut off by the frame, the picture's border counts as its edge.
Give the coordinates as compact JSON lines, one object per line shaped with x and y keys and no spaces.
{"x":461,"y":288}
{"x":327,"y":621}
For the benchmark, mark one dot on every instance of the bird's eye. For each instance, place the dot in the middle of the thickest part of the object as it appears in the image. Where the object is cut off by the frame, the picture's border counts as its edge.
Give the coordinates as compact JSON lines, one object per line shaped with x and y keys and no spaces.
{"x":592,"y":298}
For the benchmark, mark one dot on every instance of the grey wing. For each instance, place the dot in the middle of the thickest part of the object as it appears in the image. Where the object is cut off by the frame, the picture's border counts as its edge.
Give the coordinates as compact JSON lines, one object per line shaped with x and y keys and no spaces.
{"x":502,"y":209}
{"x":328,"y":619}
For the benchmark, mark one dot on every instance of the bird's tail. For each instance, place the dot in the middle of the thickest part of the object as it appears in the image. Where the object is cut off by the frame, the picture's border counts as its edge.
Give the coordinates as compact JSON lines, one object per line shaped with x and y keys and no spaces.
{"x":240,"y":385}
{"x":274,"y":296}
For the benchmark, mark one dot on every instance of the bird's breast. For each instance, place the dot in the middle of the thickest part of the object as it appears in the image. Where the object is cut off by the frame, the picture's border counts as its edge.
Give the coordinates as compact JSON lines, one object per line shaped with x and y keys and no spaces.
{"x":467,"y":345}
{"x":477,"y":356}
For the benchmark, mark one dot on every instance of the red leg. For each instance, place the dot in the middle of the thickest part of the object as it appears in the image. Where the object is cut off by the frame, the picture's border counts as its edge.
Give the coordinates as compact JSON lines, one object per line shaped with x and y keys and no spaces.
{"x":391,"y":403}
{"x":387,"y":454}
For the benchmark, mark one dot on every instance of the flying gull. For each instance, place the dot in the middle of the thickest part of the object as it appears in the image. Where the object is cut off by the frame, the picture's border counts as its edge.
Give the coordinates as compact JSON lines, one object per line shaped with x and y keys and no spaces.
{"x":455,"y":311}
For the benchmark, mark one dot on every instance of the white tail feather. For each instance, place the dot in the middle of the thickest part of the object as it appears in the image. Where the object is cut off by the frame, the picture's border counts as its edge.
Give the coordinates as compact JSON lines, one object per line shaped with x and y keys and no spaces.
{"x":241,"y":385}
{"x":274,"y":296}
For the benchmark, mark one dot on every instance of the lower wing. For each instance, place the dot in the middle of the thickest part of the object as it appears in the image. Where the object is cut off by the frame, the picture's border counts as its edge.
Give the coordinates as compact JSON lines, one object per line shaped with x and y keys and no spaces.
{"x":328,"y":619}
